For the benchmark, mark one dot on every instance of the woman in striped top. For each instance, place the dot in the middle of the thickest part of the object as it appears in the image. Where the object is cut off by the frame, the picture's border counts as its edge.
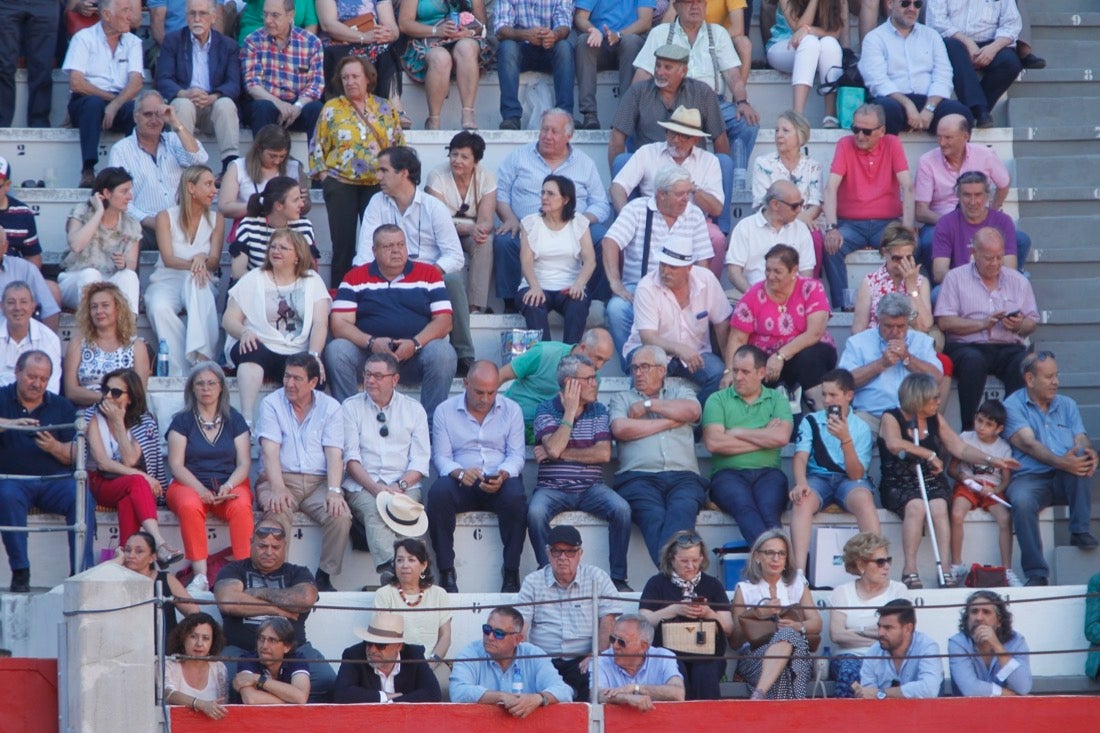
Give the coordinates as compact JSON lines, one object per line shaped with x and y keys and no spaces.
{"x":279,"y":205}
{"x":125,"y":466}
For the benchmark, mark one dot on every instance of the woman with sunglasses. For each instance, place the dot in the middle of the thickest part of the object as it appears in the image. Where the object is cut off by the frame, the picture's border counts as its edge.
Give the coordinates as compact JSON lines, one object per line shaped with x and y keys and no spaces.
{"x":469,"y":190}
{"x":125,"y":467}
{"x":919,"y":404}
{"x":209,"y":452}
{"x":683,"y":592}
{"x":900,"y":273}
{"x":853,"y":625}
{"x":278,"y":675}
{"x":276,"y":310}
{"x":413,"y":586}
{"x":780,"y":667}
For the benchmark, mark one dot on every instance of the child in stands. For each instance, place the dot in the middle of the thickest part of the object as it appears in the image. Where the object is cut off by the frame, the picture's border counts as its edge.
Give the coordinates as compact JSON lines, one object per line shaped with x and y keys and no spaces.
{"x":982,"y":486}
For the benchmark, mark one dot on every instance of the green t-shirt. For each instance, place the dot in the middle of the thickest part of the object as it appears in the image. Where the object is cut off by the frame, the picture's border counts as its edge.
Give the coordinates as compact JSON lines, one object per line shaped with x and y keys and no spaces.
{"x":726,"y":408}
{"x":252,"y":17}
{"x":536,"y":376}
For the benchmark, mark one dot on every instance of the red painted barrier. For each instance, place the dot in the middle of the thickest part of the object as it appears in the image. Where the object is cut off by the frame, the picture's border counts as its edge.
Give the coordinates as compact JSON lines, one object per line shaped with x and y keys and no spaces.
{"x":28,"y":695}
{"x":973,"y":715}
{"x":422,"y":718}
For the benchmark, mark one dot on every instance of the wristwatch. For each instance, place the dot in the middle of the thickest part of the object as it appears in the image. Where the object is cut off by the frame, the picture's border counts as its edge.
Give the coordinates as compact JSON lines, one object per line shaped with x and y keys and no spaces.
{"x":930,"y":108}
{"x":648,"y":404}
{"x":637,"y":689}
{"x":880,"y":695}
{"x":261,"y":680}
{"x":402,"y":484}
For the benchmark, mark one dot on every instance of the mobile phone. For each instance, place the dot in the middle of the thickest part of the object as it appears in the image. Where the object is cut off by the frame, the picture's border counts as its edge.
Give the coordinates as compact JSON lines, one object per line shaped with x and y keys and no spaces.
{"x":833,"y":410}
{"x":698,"y":601}
{"x":1013,"y":314}
{"x":490,"y":477}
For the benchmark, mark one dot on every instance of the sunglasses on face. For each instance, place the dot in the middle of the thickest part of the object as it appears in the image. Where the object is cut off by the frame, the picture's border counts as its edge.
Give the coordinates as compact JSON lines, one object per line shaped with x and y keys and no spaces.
{"x":856,"y":130}
{"x":881,"y":561}
{"x":115,"y":392}
{"x":497,"y":634}
{"x":918,"y":4}
{"x":617,"y":641}
{"x":559,"y":552}
{"x":377,"y":646}
{"x":795,"y":206}
{"x":276,"y":532}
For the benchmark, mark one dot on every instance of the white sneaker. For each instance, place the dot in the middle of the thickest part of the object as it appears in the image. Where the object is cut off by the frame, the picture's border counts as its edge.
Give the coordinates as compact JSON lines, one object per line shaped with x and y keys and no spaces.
{"x":198,"y":584}
{"x":1012,"y":578}
{"x":960,"y":572}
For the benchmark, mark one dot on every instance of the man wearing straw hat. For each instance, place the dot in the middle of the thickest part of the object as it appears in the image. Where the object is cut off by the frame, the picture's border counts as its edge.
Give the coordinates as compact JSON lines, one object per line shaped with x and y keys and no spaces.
{"x":264,"y":585}
{"x":383,"y":668}
{"x":387,"y":449}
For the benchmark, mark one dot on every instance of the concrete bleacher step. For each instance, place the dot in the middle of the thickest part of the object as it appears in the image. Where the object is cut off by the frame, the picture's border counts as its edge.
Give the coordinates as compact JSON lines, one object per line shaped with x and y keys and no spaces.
{"x":1047,"y":111}
{"x":1051,"y":170}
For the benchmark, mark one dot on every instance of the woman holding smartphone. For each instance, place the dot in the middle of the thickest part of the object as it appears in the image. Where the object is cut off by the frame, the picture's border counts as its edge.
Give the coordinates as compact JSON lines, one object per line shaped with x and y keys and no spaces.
{"x":209,"y":452}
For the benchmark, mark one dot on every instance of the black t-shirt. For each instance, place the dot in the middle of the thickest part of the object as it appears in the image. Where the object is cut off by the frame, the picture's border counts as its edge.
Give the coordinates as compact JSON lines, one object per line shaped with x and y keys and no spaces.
{"x":241,"y":631}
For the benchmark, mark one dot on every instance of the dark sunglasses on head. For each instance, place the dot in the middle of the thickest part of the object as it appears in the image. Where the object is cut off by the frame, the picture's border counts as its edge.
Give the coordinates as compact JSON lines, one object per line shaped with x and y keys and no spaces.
{"x":384,"y":431}
{"x":276,"y":532}
{"x":488,"y":630}
{"x":115,"y":392}
{"x":856,"y":130}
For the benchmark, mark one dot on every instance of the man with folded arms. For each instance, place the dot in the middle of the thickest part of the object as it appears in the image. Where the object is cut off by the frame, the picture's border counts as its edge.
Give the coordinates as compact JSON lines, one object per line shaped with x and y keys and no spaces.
{"x":633,"y":672}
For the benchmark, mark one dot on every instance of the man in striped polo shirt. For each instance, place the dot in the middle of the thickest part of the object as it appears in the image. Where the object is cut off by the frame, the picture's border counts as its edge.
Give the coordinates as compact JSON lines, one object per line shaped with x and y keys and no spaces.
{"x":573,"y":442}
{"x":396,"y":306}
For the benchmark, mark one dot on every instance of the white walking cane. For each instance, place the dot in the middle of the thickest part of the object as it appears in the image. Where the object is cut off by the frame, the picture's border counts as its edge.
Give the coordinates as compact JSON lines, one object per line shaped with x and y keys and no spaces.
{"x":928,"y":510}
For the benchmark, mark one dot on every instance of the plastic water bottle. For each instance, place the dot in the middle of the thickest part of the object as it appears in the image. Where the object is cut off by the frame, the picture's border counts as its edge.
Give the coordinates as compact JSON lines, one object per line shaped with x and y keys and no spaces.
{"x":741,"y":190}
{"x":162,"y":359}
{"x":517,"y":678}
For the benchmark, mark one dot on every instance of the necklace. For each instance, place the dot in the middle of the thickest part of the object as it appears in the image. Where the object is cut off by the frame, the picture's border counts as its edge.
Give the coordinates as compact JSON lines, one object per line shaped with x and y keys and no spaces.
{"x":407,"y":602}
{"x":208,"y":425}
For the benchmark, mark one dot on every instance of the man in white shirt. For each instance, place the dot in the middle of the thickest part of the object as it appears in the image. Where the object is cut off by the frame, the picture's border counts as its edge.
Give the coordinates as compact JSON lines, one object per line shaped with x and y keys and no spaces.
{"x":387,"y":450}
{"x":429,"y":232}
{"x":775,"y":223}
{"x":301,"y":434}
{"x":106,"y":71}
{"x":19,"y":333}
{"x":156,"y":159}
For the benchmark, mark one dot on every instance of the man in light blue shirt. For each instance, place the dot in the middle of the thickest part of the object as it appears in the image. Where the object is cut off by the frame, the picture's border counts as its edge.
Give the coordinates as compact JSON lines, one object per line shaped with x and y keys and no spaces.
{"x":478,"y":451}
{"x":997,"y":661}
{"x":632,"y":671}
{"x":830,"y":464}
{"x":906,"y":69}
{"x":1057,"y":462}
{"x":503,"y":669}
{"x":301,"y":434}
{"x":880,"y":359}
{"x":904,"y":662}
{"x":609,"y":35}
{"x":519,"y":193}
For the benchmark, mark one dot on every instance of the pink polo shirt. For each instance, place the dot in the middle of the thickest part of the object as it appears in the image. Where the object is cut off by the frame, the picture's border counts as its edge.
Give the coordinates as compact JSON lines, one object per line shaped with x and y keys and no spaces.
{"x":656,"y":308}
{"x":870,"y":188}
{"x":935,"y":184}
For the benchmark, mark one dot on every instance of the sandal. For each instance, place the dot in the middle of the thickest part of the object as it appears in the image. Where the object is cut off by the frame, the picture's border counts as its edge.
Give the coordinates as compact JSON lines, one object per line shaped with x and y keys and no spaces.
{"x":912,"y":581}
{"x":949,"y":581}
{"x":469,"y":119}
{"x":406,"y":121}
{"x":432,"y":123}
{"x":168,"y":555}
{"x":830,"y":122}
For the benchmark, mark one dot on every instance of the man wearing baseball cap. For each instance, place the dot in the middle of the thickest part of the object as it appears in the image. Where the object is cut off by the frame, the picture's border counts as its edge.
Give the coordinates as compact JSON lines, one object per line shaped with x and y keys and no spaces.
{"x":647,"y":103}
{"x":563,"y":627}
{"x":394,"y":671}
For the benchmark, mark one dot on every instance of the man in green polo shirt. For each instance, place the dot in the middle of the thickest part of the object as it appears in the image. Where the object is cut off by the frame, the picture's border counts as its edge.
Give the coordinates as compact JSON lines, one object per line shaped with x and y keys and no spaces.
{"x":535,"y":372}
{"x":744,"y":427}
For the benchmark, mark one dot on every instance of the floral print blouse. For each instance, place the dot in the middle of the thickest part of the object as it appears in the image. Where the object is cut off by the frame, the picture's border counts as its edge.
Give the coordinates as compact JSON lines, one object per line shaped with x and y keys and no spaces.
{"x":346,"y":145}
{"x":771,"y":326}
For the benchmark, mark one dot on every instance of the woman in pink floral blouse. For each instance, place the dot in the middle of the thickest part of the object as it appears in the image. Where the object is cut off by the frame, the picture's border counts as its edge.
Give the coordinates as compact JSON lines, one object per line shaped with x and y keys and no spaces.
{"x":786,"y":316}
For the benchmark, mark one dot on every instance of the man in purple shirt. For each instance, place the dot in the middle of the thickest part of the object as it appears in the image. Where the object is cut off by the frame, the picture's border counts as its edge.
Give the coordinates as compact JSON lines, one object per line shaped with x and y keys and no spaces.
{"x":955,"y":230}
{"x":573,"y":434}
{"x":987,"y":311}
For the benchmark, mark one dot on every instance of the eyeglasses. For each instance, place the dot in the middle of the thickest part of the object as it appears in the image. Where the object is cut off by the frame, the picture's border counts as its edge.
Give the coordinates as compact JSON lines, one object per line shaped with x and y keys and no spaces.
{"x":900,"y":258}
{"x":498,"y":634}
{"x":150,"y":115}
{"x":207,"y":384}
{"x":773,"y":554}
{"x":794,"y":206}
{"x":276,"y":532}
{"x":644,"y":368}
{"x":590,"y":379}
{"x":617,"y":641}
{"x":377,"y":376}
{"x":384,"y":431}
{"x":115,"y":392}
{"x":857,"y":130}
{"x":918,"y":4}
{"x":564,"y":552}
{"x":881,"y":561}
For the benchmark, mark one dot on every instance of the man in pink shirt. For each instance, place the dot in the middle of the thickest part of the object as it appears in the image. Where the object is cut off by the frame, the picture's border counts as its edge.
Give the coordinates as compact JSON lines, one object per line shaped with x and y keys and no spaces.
{"x":937,"y":175}
{"x":869,"y":187}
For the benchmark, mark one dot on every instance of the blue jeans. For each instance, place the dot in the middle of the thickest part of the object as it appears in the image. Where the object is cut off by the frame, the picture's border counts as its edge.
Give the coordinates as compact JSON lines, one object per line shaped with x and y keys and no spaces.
{"x":54,"y":496}
{"x":507,"y":274}
{"x":263,"y":113}
{"x":574,"y":312}
{"x":516,"y":56}
{"x":1030,"y":494}
{"x":706,"y":377}
{"x":862,"y":234}
{"x":598,"y":500}
{"x":754,"y":497}
{"x":86,"y":112}
{"x":434,"y":368}
{"x":662,"y":503}
{"x":738,"y":129}
{"x":618,"y":316}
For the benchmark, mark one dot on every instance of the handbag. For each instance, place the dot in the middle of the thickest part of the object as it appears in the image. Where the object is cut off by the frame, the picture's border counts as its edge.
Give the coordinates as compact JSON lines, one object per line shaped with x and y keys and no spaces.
{"x":361,"y":23}
{"x":758,"y":630}
{"x":987,"y":576}
{"x":690,"y":637}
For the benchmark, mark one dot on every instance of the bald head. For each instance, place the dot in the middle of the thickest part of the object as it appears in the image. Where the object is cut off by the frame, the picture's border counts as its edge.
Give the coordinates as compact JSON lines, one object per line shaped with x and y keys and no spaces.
{"x":597,"y":345}
{"x":484,"y":370}
{"x":782,"y":202}
{"x":952,"y":135}
{"x":988,"y":239}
